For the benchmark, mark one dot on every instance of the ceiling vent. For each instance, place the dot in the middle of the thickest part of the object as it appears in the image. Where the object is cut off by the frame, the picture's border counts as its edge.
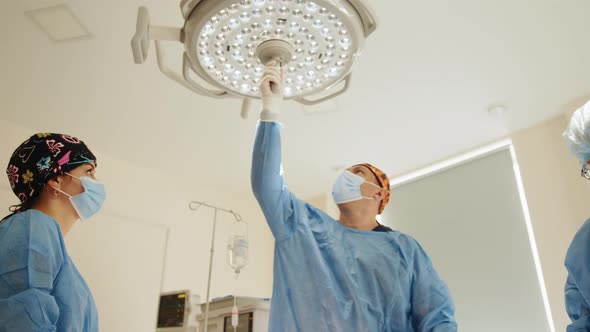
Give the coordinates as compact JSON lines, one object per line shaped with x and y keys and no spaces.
{"x":59,"y":23}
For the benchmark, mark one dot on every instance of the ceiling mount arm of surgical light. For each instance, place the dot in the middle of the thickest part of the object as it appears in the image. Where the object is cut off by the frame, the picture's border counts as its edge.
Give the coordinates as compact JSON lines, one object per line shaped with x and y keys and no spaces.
{"x":140,"y":43}
{"x":195,"y":206}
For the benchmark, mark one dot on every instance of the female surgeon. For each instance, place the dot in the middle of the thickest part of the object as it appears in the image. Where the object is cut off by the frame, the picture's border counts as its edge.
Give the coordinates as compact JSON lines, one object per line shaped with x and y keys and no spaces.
{"x":53,"y":176}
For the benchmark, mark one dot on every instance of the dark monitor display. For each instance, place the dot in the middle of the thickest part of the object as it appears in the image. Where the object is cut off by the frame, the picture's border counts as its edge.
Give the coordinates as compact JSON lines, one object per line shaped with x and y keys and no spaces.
{"x":171,"y":310}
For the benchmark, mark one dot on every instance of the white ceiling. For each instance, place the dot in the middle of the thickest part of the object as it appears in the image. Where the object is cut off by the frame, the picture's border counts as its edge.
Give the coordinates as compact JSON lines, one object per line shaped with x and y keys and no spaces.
{"x":420,"y":90}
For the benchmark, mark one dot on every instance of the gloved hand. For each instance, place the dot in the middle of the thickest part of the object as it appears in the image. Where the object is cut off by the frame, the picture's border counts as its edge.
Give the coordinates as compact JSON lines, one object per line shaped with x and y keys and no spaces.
{"x":271,"y":89}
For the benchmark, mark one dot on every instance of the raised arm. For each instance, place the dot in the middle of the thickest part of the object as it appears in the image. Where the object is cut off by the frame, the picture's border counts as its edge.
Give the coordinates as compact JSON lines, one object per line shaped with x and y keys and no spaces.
{"x":268,"y":183}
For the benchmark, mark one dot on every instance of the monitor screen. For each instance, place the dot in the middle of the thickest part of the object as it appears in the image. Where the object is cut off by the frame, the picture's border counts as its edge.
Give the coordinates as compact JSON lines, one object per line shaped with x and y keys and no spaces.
{"x":171,"y":311}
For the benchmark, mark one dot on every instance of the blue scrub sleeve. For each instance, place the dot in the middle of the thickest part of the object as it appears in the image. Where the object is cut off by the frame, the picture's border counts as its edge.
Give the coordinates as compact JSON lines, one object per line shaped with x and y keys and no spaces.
{"x":432,"y":305}
{"x":268,"y":183}
{"x":577,"y":290}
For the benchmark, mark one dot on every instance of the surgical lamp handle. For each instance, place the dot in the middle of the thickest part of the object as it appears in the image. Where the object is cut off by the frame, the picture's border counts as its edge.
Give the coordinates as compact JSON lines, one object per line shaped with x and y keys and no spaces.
{"x":246,"y":107}
{"x":144,"y":32}
{"x":186,"y":70}
{"x":367,"y":15}
{"x":309,"y":102}
{"x":173,"y":75}
{"x":140,"y":43}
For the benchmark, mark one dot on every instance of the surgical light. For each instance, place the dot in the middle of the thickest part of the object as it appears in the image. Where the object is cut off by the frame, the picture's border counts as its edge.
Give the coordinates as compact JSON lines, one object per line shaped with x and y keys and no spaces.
{"x":227,"y":43}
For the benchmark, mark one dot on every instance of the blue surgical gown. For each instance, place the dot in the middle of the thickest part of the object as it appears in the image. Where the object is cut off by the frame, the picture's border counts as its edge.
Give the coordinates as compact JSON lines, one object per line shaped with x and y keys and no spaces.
{"x":40,"y":287}
{"x":328,"y":277}
{"x":577,"y":286}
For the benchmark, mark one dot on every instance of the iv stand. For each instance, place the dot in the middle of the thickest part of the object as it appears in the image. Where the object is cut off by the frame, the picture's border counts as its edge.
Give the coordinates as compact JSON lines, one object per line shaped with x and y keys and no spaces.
{"x":195,"y":206}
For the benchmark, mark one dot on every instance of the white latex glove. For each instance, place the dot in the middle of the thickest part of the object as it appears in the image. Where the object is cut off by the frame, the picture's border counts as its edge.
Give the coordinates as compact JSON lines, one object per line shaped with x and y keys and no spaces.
{"x":271,"y":89}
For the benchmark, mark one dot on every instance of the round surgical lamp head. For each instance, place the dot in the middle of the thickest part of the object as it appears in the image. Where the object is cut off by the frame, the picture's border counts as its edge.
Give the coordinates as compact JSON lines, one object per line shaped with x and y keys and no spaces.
{"x":228,"y":42}
{"x":317,"y":41}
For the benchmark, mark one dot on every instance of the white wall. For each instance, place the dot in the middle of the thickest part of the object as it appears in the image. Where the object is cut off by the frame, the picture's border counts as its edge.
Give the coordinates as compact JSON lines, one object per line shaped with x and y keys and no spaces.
{"x":120,"y":252}
{"x":558,"y":202}
{"x":470,"y":221}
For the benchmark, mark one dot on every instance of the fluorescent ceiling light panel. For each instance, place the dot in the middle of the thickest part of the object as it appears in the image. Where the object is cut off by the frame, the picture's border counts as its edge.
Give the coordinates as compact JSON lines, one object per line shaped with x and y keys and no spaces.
{"x":59,"y":22}
{"x":455,"y":161}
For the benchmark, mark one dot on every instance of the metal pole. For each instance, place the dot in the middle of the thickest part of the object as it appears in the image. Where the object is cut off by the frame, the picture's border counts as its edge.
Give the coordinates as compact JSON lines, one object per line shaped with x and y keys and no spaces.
{"x":199,"y":204}
{"x":238,"y":218}
{"x":165,"y":257}
{"x":210,"y":270}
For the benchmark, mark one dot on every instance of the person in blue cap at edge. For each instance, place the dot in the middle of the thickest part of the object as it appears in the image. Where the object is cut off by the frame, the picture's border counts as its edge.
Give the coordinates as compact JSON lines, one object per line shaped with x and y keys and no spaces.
{"x":53,"y":176}
{"x":577,"y":259}
{"x":350,"y":274}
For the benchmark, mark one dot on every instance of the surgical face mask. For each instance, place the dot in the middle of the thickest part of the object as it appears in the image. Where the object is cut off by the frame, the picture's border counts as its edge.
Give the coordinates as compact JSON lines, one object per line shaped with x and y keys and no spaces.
{"x":347,"y":188}
{"x":89,"y":202}
{"x":586,"y":171}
